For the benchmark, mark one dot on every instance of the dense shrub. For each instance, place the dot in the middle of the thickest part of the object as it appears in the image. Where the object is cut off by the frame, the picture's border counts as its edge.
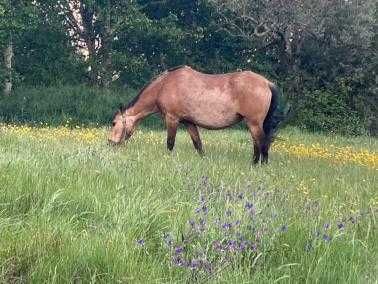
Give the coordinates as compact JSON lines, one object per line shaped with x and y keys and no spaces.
{"x":324,"y":110}
{"x":57,"y":105}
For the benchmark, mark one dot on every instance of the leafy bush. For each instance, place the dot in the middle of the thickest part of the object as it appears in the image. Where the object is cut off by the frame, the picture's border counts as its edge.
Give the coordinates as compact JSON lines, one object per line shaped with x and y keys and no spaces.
{"x":54,"y":105}
{"x":324,"y":110}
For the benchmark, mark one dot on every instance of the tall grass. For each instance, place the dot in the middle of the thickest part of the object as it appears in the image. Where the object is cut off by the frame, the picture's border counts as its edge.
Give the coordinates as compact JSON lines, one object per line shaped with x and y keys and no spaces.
{"x":74,"y":210}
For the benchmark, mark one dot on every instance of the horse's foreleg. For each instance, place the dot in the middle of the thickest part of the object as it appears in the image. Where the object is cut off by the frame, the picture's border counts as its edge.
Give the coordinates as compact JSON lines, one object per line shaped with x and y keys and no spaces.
{"x":194,"y":134}
{"x":257,"y":134}
{"x":172,"y":124}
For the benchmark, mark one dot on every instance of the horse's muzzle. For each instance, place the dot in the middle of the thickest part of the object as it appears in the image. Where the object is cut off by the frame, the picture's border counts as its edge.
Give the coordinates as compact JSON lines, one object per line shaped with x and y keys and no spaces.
{"x":112,"y":143}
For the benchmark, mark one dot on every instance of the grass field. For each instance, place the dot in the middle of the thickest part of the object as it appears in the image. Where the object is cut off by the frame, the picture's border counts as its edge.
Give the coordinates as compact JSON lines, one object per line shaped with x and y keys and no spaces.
{"x":73,"y":209}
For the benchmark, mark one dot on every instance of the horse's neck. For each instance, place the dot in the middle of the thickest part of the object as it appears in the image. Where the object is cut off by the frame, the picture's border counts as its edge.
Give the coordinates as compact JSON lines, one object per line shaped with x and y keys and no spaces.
{"x":146,"y":103}
{"x":142,"y":108}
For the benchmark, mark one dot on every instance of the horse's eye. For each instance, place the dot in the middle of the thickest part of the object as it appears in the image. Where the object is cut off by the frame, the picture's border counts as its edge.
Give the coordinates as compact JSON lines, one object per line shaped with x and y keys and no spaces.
{"x":113,"y":124}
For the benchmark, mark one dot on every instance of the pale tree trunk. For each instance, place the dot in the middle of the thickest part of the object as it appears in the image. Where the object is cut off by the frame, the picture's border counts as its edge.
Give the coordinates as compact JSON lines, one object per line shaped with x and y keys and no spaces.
{"x":8,"y":55}
{"x":106,"y":76}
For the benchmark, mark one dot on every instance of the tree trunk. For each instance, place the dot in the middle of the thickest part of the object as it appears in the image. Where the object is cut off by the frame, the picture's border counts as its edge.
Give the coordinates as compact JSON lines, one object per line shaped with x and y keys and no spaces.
{"x":106,"y":70}
{"x":87,"y":15}
{"x":8,"y":55}
{"x":93,"y":72}
{"x":288,"y":52}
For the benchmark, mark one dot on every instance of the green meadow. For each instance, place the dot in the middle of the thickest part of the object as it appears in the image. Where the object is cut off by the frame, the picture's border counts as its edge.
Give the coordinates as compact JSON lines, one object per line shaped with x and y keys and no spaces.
{"x":73,"y":209}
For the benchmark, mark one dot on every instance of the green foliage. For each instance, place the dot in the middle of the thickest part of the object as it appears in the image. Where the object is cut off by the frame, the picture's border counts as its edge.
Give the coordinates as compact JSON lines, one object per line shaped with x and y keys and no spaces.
{"x":147,"y":47}
{"x":57,"y":105}
{"x":324,"y":110}
{"x":44,"y":58}
{"x":15,"y":17}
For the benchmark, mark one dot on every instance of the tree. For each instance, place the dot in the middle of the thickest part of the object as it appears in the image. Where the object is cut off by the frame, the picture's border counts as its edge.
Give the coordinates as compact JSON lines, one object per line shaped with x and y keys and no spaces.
{"x":6,"y":12}
{"x":8,"y":55}
{"x":285,"y":26}
{"x":93,"y":27}
{"x":16,"y":16}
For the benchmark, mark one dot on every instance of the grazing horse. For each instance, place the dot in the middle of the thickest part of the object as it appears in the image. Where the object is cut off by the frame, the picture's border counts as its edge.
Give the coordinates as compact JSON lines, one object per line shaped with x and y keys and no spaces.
{"x":184,"y":95}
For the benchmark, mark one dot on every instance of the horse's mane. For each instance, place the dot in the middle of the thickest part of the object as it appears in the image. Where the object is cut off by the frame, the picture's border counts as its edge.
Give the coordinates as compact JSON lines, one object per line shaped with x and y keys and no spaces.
{"x":136,"y":98}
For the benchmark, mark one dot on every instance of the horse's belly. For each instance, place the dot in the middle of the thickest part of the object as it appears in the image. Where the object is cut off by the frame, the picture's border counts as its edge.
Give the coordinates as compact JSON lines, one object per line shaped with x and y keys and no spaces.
{"x":214,"y":120}
{"x":212,"y":111}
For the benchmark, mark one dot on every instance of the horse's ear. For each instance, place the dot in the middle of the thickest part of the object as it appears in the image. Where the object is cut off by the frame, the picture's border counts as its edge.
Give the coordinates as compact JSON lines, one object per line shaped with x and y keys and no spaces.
{"x":120,"y":107}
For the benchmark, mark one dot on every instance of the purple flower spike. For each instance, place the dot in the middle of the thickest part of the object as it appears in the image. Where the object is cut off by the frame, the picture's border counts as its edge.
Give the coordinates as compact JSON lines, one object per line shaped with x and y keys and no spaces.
{"x":232,"y":245}
{"x":178,"y":261}
{"x":202,"y":199}
{"x":141,"y":242}
{"x":202,"y":224}
{"x":192,"y":223}
{"x":241,"y":195}
{"x":248,"y":206}
{"x":179,"y":250}
{"x":227,"y":226}
{"x":194,"y":264}
{"x":283,"y":228}
{"x":243,"y":245}
{"x":326,"y":226}
{"x":326,"y":238}
{"x":205,"y":209}
{"x":341,"y":226}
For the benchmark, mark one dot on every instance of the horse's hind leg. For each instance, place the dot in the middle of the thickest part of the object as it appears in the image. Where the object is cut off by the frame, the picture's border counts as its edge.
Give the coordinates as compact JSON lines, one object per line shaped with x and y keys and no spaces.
{"x":264,"y":152}
{"x":194,"y":134}
{"x":257,"y":134}
{"x":172,"y":124}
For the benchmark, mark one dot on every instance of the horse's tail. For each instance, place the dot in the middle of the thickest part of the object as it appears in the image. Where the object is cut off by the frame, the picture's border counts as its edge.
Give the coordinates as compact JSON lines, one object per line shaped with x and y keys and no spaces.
{"x":277,"y":113}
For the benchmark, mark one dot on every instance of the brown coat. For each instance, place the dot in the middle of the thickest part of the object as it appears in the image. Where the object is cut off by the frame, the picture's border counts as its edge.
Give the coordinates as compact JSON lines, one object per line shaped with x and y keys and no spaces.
{"x":184,"y":95}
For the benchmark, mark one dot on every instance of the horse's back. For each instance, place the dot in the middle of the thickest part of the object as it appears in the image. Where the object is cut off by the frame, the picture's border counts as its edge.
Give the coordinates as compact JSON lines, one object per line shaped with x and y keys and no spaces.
{"x":212,"y":101}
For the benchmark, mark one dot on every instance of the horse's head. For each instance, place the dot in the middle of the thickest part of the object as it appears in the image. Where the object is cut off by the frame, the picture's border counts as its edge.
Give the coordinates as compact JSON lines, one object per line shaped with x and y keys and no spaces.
{"x":122,"y":127}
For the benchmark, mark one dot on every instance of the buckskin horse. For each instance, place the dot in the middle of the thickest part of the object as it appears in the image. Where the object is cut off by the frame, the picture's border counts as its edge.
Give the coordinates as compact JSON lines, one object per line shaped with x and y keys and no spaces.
{"x":184,"y":95}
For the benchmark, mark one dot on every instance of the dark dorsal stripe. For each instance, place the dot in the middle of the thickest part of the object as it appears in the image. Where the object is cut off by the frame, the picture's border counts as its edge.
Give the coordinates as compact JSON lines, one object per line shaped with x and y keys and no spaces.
{"x":175,"y":68}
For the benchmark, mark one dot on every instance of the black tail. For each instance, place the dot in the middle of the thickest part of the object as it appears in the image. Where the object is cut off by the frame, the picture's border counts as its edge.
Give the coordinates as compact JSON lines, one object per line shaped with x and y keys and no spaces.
{"x":277,"y":113}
